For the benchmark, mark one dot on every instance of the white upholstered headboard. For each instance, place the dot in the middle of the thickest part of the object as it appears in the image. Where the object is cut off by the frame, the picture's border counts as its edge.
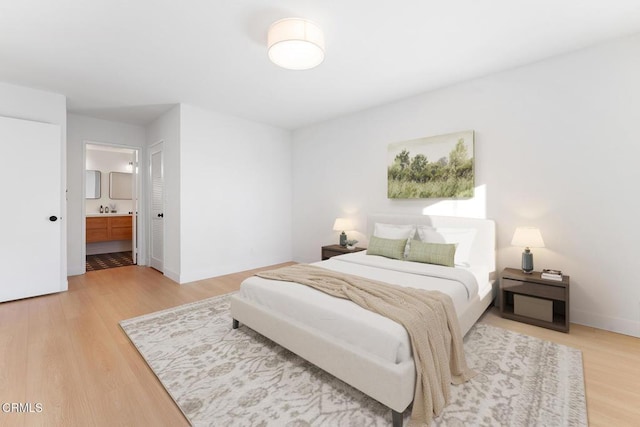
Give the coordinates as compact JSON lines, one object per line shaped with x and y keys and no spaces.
{"x":483,"y":248}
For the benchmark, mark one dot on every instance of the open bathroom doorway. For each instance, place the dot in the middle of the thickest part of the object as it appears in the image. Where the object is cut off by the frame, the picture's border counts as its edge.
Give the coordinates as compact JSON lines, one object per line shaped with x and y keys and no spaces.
{"x":111,"y":206}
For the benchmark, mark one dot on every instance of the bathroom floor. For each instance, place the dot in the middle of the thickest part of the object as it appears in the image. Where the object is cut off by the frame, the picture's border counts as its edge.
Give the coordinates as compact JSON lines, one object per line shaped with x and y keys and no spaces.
{"x":112,"y":260}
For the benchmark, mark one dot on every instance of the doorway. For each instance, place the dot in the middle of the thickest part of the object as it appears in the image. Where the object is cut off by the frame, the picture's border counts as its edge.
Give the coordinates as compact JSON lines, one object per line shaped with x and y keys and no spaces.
{"x":112,"y":183}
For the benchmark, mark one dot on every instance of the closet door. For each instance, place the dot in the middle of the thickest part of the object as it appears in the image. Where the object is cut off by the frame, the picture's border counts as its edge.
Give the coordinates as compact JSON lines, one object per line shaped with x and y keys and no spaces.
{"x":157,"y":208}
{"x":31,"y":242}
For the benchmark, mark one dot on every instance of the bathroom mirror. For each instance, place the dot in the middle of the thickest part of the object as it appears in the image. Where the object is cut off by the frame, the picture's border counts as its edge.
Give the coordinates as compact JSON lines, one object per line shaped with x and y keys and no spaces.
{"x":120,"y":186}
{"x":93,"y":188}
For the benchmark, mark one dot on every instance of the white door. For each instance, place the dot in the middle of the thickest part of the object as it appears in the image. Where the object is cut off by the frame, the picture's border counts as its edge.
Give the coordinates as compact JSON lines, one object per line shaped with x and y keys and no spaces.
{"x":30,"y":224}
{"x":157,"y":208}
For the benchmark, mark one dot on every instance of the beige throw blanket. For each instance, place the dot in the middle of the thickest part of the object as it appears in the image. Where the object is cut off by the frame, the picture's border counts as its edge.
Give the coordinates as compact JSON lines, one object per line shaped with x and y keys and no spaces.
{"x":428,"y":316}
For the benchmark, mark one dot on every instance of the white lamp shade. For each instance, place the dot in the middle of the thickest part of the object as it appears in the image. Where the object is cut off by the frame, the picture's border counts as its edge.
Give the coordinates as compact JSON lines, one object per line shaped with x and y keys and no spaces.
{"x":527,"y":237}
{"x":295,"y":44}
{"x":342,"y":224}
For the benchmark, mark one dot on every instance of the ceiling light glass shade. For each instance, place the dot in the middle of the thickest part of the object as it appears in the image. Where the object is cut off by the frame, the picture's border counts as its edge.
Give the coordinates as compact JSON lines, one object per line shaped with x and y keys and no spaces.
{"x":527,"y":237}
{"x":295,"y":44}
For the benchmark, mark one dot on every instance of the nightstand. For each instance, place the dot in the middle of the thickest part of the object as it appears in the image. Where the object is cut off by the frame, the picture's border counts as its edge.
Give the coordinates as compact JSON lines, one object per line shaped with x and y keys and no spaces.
{"x":530,"y":299}
{"x":335,"y":250}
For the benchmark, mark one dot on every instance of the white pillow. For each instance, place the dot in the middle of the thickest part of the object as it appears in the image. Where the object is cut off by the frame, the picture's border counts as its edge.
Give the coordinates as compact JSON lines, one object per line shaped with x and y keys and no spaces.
{"x":394,"y":231}
{"x":462,"y":237}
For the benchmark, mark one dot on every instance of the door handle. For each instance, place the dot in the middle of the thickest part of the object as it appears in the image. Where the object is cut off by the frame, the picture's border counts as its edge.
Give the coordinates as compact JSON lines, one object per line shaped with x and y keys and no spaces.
{"x":160,"y":215}
{"x":53,"y":218}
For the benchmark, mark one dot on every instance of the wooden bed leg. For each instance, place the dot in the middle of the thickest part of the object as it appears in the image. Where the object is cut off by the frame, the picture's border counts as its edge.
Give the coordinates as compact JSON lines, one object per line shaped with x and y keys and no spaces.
{"x":397,"y":418}
{"x":236,"y":324}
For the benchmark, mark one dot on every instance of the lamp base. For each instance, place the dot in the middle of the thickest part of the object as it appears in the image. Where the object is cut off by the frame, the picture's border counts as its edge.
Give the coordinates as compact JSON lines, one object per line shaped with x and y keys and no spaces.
{"x":527,"y":261}
{"x":343,"y":239}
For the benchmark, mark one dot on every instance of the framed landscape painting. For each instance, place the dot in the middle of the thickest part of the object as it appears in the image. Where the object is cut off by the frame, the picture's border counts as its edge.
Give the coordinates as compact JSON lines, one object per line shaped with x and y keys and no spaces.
{"x":432,"y":167}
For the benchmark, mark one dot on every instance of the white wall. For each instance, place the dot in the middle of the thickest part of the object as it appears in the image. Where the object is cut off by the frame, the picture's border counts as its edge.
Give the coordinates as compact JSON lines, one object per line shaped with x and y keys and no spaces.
{"x":48,"y":107}
{"x":556,"y":147}
{"x":235,"y":194}
{"x":166,"y":129}
{"x":83,"y":129}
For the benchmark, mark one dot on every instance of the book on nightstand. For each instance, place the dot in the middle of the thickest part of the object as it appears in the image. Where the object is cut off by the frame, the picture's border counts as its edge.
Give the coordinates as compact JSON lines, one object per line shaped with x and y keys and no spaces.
{"x":551,"y":274}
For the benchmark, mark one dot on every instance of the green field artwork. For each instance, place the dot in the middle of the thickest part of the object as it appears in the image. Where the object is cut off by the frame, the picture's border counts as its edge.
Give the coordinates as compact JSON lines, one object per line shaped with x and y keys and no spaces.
{"x":432,"y":167}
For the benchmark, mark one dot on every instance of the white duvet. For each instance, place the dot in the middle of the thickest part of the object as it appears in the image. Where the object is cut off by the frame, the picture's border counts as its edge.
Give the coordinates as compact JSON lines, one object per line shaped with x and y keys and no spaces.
{"x":347,"y":321}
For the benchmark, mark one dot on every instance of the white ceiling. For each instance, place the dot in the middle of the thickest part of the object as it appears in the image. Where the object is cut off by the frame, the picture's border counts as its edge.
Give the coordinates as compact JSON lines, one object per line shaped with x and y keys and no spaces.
{"x":129,"y":60}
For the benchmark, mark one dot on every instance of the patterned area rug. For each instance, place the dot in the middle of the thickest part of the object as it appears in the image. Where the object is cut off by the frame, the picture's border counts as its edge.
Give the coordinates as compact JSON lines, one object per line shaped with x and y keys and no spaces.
{"x":115,"y":259}
{"x":220,"y":376}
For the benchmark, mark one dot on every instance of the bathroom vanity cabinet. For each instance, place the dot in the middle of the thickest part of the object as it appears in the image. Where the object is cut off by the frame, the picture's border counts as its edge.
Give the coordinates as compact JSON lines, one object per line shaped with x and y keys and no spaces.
{"x":108,"y":227}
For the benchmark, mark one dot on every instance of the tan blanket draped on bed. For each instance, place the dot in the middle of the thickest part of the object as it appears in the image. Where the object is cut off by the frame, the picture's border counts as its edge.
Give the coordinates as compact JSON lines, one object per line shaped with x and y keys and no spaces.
{"x":428,"y":316}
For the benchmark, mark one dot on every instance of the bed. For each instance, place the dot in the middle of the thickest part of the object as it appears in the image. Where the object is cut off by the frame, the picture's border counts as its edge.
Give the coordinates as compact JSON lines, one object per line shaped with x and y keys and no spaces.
{"x":366,"y":350}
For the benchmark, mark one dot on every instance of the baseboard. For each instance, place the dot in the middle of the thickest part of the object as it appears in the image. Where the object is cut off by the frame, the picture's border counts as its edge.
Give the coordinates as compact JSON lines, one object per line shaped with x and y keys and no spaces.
{"x":613,"y":324}
{"x":305,"y":260}
{"x":223,"y":270}
{"x":172,"y":275}
{"x":76,"y":270}
{"x":214,"y":272}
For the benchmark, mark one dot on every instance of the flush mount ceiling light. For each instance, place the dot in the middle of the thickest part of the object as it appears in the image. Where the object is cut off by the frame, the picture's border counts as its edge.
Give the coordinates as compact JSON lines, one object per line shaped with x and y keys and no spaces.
{"x":295,"y":44}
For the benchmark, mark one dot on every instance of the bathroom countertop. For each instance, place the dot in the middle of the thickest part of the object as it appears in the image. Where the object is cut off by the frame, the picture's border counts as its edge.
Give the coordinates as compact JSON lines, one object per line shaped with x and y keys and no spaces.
{"x":108,"y":214}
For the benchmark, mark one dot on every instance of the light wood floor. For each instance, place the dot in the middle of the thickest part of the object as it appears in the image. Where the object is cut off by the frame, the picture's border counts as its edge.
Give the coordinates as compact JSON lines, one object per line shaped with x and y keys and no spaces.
{"x":67,"y":352}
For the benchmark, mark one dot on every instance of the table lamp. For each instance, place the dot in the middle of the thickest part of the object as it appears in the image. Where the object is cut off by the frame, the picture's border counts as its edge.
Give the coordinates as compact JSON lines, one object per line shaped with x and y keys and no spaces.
{"x":342,"y":224}
{"x":529,"y":237}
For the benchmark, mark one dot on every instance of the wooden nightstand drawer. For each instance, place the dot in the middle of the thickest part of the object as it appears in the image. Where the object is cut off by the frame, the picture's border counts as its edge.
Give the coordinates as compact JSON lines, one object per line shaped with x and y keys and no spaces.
{"x":335,"y":250}
{"x":533,"y":289}
{"x":330,"y":253}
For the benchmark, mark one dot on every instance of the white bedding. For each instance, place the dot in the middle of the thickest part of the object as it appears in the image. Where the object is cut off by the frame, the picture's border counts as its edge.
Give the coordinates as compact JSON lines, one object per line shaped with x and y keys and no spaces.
{"x":367,"y":330}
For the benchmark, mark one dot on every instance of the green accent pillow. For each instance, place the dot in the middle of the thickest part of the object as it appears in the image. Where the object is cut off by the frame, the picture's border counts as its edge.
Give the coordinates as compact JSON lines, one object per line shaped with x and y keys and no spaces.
{"x":390,"y":248}
{"x":432,"y":253}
